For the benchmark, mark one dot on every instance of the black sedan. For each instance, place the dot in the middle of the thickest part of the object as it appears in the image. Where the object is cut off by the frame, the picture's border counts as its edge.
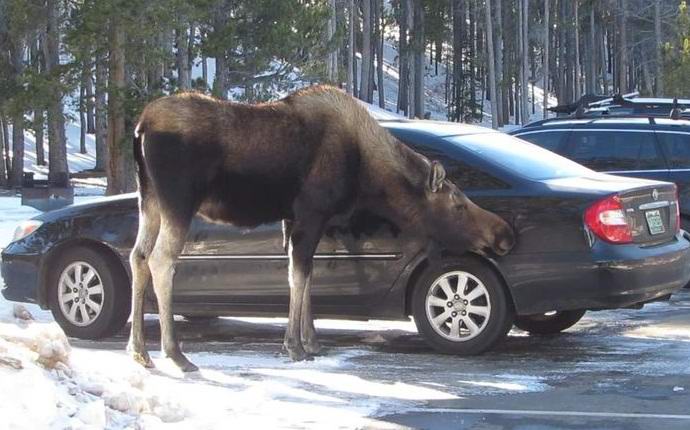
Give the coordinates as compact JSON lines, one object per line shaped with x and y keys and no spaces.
{"x":585,"y":241}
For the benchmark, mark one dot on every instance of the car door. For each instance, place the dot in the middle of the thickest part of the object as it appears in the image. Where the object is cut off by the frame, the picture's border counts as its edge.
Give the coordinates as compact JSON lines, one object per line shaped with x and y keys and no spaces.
{"x":632,"y":153}
{"x":357,"y":260}
{"x":676,"y":147}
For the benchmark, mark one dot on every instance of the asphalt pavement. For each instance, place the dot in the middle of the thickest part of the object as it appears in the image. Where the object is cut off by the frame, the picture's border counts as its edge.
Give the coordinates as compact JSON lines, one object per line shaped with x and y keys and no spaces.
{"x":618,"y":369}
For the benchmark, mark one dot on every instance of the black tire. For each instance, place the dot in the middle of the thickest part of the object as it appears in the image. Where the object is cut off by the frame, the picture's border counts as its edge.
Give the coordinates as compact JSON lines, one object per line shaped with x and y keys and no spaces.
{"x":493,"y":328}
{"x":549,"y":324}
{"x":115,"y":300}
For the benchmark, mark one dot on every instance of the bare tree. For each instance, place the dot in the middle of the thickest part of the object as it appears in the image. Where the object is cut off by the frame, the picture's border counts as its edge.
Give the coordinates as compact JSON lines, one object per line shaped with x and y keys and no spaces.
{"x":418,"y":47}
{"x":524,"y":37}
{"x":578,"y":74}
{"x":332,"y":57}
{"x":379,"y":52}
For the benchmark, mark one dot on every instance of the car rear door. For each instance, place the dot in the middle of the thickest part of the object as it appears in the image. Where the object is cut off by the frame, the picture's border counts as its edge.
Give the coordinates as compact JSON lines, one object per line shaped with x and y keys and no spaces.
{"x":676,"y":147}
{"x":626,"y":152}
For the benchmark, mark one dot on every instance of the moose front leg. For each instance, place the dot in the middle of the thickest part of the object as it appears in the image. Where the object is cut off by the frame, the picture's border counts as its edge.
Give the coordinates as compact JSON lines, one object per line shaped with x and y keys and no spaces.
{"x":304,"y":238}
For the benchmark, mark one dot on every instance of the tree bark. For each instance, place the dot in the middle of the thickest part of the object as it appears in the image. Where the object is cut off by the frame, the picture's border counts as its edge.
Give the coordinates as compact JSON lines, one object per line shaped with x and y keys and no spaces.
{"x":379,"y":53}
{"x":88,"y":84}
{"x":525,"y":62}
{"x":182,"y":55}
{"x":403,"y":48}
{"x":365,"y":90}
{"x":332,"y":57}
{"x":490,"y":61}
{"x":3,"y":145}
{"x":418,"y":44}
{"x":547,"y":45}
{"x":58,"y":171}
{"x":623,"y":49}
{"x":498,"y":49}
{"x":659,"y":81}
{"x":350,"y":46}
{"x":4,"y":130}
{"x":101,"y":115}
{"x":578,"y":75}
{"x":82,"y":119}
{"x":119,"y":148}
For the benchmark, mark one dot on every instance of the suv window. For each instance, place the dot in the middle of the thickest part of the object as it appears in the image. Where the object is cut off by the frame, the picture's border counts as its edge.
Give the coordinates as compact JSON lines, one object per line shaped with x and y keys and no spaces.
{"x":619,"y":150}
{"x":462,"y":174}
{"x":550,"y":140}
{"x":677,"y":148}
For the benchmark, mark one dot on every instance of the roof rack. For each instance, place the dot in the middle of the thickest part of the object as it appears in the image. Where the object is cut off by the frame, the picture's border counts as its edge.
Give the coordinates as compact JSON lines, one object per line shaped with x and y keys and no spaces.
{"x":627,"y":105}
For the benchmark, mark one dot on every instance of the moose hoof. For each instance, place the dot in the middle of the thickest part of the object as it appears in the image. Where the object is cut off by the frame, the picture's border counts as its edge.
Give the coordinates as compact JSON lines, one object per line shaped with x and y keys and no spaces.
{"x":182,"y":363}
{"x":297,"y":353}
{"x":141,"y":357}
{"x":313,"y":347}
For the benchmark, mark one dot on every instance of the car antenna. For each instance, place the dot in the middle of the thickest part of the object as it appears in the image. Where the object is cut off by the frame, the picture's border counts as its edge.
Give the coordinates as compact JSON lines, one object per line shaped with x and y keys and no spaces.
{"x":675,"y":112}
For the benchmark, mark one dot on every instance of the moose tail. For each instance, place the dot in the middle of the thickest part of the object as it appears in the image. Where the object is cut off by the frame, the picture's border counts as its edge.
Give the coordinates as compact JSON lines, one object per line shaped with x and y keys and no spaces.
{"x":138,"y":151}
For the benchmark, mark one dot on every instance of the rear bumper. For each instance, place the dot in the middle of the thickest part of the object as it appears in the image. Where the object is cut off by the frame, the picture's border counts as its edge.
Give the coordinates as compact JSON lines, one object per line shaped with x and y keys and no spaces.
{"x":21,"y":276}
{"x":611,"y":276}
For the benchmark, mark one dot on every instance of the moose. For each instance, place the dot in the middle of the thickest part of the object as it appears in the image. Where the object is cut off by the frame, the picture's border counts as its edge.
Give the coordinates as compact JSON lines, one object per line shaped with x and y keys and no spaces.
{"x":302,"y":160}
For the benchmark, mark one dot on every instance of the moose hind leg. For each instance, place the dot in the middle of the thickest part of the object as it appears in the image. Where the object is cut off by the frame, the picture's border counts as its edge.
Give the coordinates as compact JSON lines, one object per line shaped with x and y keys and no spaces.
{"x":304,"y":238}
{"x":169,"y":244}
{"x":307,"y":331}
{"x":149,"y":224}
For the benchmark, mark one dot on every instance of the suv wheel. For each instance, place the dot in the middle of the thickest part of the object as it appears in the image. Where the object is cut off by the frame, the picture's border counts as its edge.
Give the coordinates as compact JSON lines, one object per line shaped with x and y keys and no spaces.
{"x":461,"y":307}
{"x":549,"y":323}
{"x":89,"y":297}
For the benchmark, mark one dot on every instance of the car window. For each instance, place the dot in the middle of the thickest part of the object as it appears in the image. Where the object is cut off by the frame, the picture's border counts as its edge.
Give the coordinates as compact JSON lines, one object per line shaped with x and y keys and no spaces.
{"x":615,"y":151}
{"x":462,"y":174}
{"x":520,"y":157}
{"x":677,"y":148}
{"x":550,"y":140}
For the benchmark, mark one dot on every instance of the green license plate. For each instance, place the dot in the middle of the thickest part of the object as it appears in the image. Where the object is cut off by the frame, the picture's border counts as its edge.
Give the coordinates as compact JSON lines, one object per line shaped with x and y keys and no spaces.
{"x":656,"y":226}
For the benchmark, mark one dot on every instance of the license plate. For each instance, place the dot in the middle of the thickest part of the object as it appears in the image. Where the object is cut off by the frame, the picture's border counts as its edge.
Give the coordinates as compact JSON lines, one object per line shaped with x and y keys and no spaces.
{"x":656,"y":225}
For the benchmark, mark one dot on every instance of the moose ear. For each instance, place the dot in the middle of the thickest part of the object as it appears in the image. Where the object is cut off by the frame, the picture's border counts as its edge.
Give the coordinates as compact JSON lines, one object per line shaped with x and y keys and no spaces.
{"x":436,"y":176}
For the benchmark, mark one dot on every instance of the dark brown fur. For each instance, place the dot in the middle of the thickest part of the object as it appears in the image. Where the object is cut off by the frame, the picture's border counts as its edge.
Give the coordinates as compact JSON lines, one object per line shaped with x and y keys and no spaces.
{"x":303,"y":160}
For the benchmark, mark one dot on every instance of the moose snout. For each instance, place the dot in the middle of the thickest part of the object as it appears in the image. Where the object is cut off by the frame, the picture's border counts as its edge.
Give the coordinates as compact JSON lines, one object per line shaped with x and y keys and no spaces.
{"x":504,"y":240}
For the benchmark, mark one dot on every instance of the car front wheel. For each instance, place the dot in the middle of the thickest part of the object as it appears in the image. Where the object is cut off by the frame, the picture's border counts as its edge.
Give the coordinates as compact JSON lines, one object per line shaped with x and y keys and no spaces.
{"x":461,"y":307}
{"x":89,"y":296}
{"x":549,"y":323}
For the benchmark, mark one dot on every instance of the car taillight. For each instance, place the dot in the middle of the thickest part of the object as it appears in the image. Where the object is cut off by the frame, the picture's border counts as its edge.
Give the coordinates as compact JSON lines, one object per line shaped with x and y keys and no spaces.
{"x":606,"y":219}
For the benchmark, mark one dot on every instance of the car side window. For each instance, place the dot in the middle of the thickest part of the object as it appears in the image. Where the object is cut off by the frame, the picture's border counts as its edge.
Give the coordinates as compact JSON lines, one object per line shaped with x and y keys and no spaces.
{"x":551,"y":140}
{"x":466,"y":177}
{"x":615,"y":151}
{"x":677,"y":148}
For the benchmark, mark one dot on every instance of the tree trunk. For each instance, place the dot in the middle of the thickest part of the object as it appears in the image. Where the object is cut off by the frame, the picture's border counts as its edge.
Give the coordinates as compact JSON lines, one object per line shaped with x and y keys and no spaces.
{"x":101,"y":116}
{"x":418,"y":43}
{"x":525,"y":62}
{"x":58,"y":171}
{"x":379,"y":53}
{"x":592,"y":57}
{"x":578,"y":75}
{"x":659,"y":81}
{"x":367,"y":56}
{"x":410,"y":58}
{"x":547,"y":43}
{"x":332,"y":57}
{"x":490,"y":61}
{"x":182,"y":55}
{"x":119,"y":148}
{"x":498,"y":49}
{"x":350,"y":46}
{"x":403,"y":47}
{"x":623,"y":49}
{"x":3,"y":144}
{"x":82,"y":119}
{"x":88,"y":84}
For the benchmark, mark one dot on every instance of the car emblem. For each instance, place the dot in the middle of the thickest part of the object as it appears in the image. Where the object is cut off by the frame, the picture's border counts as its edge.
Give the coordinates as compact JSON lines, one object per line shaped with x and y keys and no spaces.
{"x":655,"y":194}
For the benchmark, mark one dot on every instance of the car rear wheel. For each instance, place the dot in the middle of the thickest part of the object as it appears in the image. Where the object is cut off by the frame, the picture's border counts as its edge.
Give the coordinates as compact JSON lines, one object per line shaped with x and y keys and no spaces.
{"x":549,"y":323}
{"x":89,"y":296}
{"x":461,"y":307}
